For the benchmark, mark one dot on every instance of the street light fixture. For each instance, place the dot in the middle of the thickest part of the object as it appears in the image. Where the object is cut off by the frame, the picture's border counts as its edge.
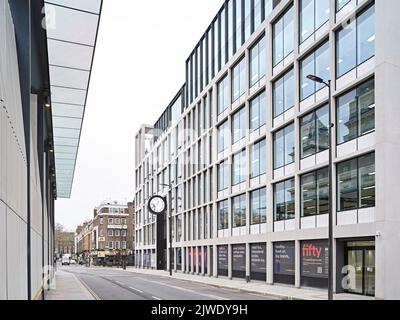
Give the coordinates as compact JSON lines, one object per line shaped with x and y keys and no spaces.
{"x":330,"y":224}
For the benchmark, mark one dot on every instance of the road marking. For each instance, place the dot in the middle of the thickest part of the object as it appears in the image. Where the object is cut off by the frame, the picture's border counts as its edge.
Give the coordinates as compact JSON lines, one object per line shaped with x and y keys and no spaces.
{"x":184,"y":289}
{"x":140,"y":291}
{"x":156,"y":298}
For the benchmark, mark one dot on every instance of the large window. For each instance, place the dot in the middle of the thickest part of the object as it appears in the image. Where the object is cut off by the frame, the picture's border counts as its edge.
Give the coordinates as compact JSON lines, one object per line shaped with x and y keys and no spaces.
{"x":283,"y":39}
{"x":223,"y":95}
{"x":284,"y":197}
{"x":317,"y":63}
{"x":284,"y":147}
{"x":223,"y":215}
{"x":356,"y":183}
{"x":239,"y":211}
{"x":238,"y":32}
{"x":239,"y":80}
{"x":315,"y":193}
{"x":258,"y":110}
{"x":257,"y":62}
{"x":283,"y":90}
{"x":313,"y":15}
{"x":239,"y":168}
{"x":223,"y":136}
{"x":356,"y":42}
{"x":356,"y":112}
{"x":258,"y":158}
{"x":258,"y":206}
{"x":239,"y":125}
{"x":223,"y":176}
{"x":314,"y":129}
{"x":340,"y":4}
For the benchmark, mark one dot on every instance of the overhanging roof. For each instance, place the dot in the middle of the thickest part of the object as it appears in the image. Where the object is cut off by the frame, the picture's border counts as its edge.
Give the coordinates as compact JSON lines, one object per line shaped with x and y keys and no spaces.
{"x":72,"y":28}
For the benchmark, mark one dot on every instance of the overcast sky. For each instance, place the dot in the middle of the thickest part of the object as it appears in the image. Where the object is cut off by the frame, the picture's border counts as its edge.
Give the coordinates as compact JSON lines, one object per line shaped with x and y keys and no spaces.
{"x":139,"y":67}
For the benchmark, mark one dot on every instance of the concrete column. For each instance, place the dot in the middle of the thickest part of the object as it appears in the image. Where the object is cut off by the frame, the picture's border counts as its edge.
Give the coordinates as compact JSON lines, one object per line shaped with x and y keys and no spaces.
{"x":202,"y":260}
{"x":248,"y":270}
{"x":215,"y":264}
{"x":209,"y":271}
{"x":270,"y":262}
{"x":387,"y":84}
{"x":229,"y":261}
{"x":297,"y":280}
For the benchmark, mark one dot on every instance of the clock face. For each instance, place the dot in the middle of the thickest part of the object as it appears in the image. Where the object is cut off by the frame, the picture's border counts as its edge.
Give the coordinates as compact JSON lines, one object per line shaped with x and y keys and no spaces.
{"x":157,"y":205}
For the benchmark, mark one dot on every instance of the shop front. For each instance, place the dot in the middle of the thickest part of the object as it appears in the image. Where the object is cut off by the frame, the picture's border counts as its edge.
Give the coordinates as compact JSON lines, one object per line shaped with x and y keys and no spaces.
{"x":284,"y":262}
{"x":222,"y":261}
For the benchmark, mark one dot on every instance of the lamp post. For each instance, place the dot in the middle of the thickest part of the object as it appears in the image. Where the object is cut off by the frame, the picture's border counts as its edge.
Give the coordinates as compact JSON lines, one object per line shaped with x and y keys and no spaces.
{"x":330,"y":224}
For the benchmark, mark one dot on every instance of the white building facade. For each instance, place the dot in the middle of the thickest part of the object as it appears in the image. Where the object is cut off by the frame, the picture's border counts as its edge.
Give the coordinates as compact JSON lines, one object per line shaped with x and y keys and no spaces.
{"x":244,"y":149}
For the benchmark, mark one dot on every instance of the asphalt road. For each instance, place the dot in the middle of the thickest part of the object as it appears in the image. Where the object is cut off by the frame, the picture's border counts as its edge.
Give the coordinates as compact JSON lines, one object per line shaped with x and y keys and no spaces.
{"x":114,"y":284}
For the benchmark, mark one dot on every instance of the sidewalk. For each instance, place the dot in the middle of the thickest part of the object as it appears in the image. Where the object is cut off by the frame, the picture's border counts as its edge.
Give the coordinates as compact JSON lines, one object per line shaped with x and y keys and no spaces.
{"x":277,"y":291}
{"x":68,"y":287}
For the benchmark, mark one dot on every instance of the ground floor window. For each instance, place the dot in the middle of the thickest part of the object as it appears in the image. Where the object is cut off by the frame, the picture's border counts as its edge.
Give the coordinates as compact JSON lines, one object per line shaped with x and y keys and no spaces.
{"x":284,"y":262}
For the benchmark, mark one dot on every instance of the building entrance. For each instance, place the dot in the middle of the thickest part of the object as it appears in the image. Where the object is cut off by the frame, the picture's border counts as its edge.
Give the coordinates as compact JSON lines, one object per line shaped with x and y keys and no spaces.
{"x":360,"y":256}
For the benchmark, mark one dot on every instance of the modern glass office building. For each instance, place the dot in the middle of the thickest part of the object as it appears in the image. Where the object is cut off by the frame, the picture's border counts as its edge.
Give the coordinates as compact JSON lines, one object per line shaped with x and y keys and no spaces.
{"x":243,"y":149}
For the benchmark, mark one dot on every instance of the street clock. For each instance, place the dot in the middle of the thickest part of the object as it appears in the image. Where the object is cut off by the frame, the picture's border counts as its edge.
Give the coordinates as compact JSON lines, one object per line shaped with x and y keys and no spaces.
{"x":157,"y":205}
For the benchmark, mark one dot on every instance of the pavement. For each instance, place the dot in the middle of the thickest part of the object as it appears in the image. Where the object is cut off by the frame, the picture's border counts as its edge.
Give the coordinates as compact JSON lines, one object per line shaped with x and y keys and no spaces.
{"x":98,"y":283}
{"x":68,"y":287}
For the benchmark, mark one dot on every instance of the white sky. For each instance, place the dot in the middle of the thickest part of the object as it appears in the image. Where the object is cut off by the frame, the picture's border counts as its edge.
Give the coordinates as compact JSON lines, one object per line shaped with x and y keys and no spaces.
{"x":139,"y":67}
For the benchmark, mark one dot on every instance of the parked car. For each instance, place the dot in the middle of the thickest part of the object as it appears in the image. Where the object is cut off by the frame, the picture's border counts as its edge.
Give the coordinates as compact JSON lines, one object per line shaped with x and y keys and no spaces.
{"x":72,"y":261}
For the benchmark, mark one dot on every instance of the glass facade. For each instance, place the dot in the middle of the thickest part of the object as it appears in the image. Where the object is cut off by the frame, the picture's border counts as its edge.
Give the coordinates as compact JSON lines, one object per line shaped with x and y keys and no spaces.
{"x":284,"y":151}
{"x":284,"y":92}
{"x":313,"y":15}
{"x":284,"y":200}
{"x":223,"y":176}
{"x":239,"y":168}
{"x":356,"y":183}
{"x":258,"y":110}
{"x":356,"y":112}
{"x":239,"y":127}
{"x":258,"y":159}
{"x":283,"y":39}
{"x":356,"y":42}
{"x":223,"y":95}
{"x":317,"y":63}
{"x":239,"y":211}
{"x":239,"y":80}
{"x":223,"y":136}
{"x":315,"y":193}
{"x":223,"y":215}
{"x":258,"y":206}
{"x":258,"y":61}
{"x":314,"y":132}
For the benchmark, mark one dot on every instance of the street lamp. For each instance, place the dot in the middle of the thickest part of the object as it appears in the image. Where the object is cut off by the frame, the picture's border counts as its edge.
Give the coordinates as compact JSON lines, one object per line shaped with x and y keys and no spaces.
{"x":330,"y":224}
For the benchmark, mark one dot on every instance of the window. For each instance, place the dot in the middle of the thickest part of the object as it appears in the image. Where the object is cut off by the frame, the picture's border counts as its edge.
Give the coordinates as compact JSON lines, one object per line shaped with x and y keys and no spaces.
{"x":314,"y":129}
{"x":117,"y":246}
{"x":223,"y":176}
{"x":313,"y":15}
{"x":117,"y":221}
{"x":283,"y":90}
{"x":356,"y":42}
{"x":223,"y":215}
{"x":356,"y":183}
{"x":110,"y":233}
{"x":247,"y":20}
{"x":283,"y":40}
{"x":284,"y":147}
{"x":340,"y":4}
{"x":223,"y":137}
{"x":101,"y":220}
{"x":110,"y":221}
{"x":239,"y":80}
{"x":284,"y":196}
{"x":239,"y":125}
{"x":239,"y":211}
{"x":315,"y":193}
{"x":356,"y":112}
{"x":117,"y":233}
{"x":239,"y":168}
{"x":258,"y":206}
{"x":257,"y":62}
{"x":258,"y":109}
{"x":238,"y":32}
{"x":110,"y":245}
{"x":223,"y":96}
{"x":123,"y":220}
{"x":123,"y":233}
{"x":123,"y":244}
{"x":317,"y":63}
{"x":258,"y":159}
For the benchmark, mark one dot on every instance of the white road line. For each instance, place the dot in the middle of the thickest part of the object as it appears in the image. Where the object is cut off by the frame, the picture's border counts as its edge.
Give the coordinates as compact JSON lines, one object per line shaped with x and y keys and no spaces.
{"x":156,"y":298}
{"x":140,"y":291}
{"x":184,"y":289}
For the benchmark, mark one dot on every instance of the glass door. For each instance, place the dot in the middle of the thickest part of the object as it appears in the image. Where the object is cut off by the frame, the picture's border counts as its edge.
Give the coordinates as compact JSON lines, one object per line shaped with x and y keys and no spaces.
{"x":362,"y":259}
{"x":369,"y":258}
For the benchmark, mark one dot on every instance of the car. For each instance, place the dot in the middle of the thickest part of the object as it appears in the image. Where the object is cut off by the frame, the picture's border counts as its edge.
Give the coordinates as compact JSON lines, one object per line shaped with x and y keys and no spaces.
{"x":72,"y":261}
